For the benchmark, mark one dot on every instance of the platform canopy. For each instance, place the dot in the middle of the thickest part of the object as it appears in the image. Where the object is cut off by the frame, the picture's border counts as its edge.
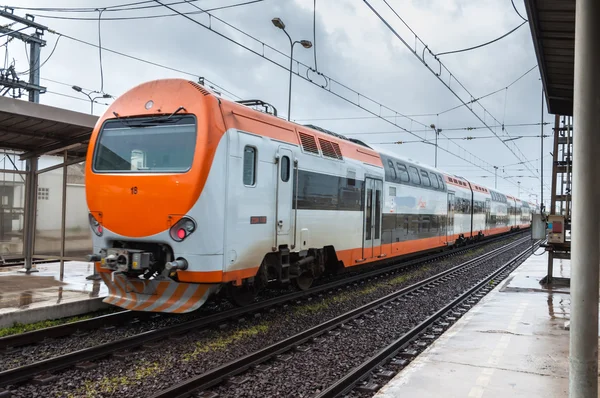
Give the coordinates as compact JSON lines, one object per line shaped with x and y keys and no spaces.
{"x":552,"y":24}
{"x":36,"y":129}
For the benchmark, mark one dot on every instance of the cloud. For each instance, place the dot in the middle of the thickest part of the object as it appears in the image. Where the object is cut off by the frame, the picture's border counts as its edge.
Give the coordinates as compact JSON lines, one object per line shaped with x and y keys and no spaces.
{"x":352,"y":45}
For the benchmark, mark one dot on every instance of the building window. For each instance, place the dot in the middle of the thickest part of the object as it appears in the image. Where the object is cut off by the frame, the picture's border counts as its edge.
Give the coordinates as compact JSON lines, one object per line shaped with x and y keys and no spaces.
{"x":43,"y":193}
{"x":249,"y":165}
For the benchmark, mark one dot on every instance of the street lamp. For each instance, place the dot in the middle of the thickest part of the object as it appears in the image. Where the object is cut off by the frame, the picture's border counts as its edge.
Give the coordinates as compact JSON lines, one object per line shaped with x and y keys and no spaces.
{"x":436,"y":132}
{"x":305,"y":43}
{"x":92,"y":100}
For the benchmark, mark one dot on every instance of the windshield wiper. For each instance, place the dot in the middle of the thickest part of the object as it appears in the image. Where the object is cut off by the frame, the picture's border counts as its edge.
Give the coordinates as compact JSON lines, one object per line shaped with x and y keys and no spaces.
{"x":151,"y":122}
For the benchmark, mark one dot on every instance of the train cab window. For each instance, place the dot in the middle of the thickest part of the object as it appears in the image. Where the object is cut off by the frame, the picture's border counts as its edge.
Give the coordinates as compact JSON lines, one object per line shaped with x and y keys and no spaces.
{"x":434,"y":181}
{"x":285,"y":169}
{"x":414,"y":175}
{"x":146,"y":145}
{"x":249,"y":166}
{"x":425,"y":178}
{"x":402,"y":172}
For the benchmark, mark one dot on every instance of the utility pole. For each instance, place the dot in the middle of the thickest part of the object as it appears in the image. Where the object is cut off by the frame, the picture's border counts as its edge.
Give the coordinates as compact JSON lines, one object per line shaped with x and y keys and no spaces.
{"x":542,"y":154}
{"x":35,"y":44}
{"x":519,"y":189}
{"x":33,"y":87}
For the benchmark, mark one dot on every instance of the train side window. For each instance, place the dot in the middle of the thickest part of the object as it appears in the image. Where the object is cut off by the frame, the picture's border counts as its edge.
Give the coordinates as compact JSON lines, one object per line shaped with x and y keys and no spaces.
{"x":425,"y":178}
{"x":392,"y":191}
{"x":249,"y":166}
{"x":414,"y":175}
{"x":285,"y":169}
{"x":441,"y":181}
{"x":393,"y":169}
{"x":403,"y":172}
{"x":434,"y":181}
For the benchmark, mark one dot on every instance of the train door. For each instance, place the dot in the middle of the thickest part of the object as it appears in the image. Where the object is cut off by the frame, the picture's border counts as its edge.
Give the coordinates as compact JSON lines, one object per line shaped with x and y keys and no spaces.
{"x":285,"y":189}
{"x":488,"y":213}
{"x":372,"y":218}
{"x":450,"y":222}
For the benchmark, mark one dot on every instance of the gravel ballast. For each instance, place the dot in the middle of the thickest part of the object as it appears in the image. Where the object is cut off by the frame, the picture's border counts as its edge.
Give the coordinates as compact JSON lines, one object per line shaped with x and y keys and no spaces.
{"x":145,"y":371}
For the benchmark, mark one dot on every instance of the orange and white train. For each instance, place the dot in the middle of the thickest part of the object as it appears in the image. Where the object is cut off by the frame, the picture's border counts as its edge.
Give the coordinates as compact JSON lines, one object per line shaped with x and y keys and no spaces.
{"x":190,"y":194}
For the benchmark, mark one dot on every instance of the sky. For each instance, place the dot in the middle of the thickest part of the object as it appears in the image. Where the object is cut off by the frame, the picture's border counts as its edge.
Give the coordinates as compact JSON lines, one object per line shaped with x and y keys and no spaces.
{"x":368,"y":64}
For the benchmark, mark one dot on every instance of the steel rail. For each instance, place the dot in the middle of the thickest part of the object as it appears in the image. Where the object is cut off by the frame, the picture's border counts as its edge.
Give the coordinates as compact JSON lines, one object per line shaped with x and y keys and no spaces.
{"x":359,"y":373}
{"x":122,"y":317}
{"x":217,"y":375}
{"x":26,"y":372}
{"x":35,"y":336}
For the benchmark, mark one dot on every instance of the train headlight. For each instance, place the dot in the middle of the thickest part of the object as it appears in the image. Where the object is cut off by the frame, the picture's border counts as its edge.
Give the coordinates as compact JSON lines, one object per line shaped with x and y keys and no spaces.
{"x":182,"y":229}
{"x":95,"y":225}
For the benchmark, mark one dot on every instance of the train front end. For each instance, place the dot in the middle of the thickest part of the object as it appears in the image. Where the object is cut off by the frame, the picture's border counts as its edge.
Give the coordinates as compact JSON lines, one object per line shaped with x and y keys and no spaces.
{"x":147,"y":167}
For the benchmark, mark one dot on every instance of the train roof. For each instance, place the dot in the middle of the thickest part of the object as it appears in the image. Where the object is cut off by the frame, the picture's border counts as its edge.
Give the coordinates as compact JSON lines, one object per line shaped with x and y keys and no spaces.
{"x":476,"y":186}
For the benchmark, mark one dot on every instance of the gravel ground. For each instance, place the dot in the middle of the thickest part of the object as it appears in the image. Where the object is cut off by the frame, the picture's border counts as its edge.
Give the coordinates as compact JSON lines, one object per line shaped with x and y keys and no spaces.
{"x":308,"y":373}
{"x":145,"y":371}
{"x":54,"y":347}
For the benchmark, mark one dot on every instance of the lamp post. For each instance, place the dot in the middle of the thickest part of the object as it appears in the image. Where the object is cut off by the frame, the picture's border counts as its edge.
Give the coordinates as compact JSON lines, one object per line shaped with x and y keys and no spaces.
{"x":80,"y":90}
{"x":305,"y":43}
{"x":436,"y":132}
{"x":495,"y":177}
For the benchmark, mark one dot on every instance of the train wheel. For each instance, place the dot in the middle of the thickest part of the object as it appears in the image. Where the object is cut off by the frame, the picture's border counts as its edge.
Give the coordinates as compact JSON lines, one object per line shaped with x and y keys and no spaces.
{"x":304,"y":281}
{"x":241,"y":295}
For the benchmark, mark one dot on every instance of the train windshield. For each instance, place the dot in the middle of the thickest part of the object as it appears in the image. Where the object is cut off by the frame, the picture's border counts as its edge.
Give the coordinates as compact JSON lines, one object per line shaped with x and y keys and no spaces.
{"x":159,"y":144}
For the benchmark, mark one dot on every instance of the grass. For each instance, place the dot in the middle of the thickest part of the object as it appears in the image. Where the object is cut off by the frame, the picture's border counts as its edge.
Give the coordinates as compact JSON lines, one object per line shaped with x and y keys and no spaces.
{"x":312,"y":308}
{"x":223,"y":342}
{"x":109,"y":385}
{"x":18,"y":328}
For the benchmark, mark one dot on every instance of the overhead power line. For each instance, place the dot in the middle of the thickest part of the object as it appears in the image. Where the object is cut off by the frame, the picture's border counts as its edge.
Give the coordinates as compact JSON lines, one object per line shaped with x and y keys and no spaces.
{"x":196,"y":75}
{"x":440,"y":69}
{"x":432,"y":114}
{"x":449,"y":129}
{"x":468,"y":138}
{"x":146,"y":16}
{"x":117,"y":7}
{"x":327,"y":84}
{"x":481,"y":45}
{"x":517,"y":11}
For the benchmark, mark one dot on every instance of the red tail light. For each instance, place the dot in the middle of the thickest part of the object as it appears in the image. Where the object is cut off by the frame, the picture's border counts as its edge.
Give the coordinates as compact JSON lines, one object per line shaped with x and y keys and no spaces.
{"x":95,"y":225}
{"x":182,"y":229}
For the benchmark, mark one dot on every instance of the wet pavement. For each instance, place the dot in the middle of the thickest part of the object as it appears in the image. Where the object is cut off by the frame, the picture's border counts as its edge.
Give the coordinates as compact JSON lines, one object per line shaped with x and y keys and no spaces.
{"x":19,"y":291}
{"x":515,"y":343}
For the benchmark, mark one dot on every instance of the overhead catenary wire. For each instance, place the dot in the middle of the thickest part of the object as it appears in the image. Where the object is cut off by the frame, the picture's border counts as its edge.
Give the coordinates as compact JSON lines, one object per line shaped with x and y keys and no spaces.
{"x":116,"y":7}
{"x":146,"y":16}
{"x":432,"y":114}
{"x":327,"y":86}
{"x":436,"y":73}
{"x":196,"y":75}
{"x":481,"y":45}
{"x":449,"y":129}
{"x":328,"y":82}
{"x":517,"y":11}
{"x":468,"y":138}
{"x":46,"y":60}
{"x":74,"y":97}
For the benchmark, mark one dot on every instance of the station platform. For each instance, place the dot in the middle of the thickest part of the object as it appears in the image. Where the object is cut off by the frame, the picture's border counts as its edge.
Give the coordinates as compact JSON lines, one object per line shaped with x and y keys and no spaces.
{"x":39,"y":296}
{"x":514,"y":342}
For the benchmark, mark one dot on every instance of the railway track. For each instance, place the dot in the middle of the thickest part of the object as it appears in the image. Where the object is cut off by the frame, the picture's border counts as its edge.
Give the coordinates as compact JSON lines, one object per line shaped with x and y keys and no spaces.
{"x":233,"y":371}
{"x":45,"y":367}
{"x":126,"y":316}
